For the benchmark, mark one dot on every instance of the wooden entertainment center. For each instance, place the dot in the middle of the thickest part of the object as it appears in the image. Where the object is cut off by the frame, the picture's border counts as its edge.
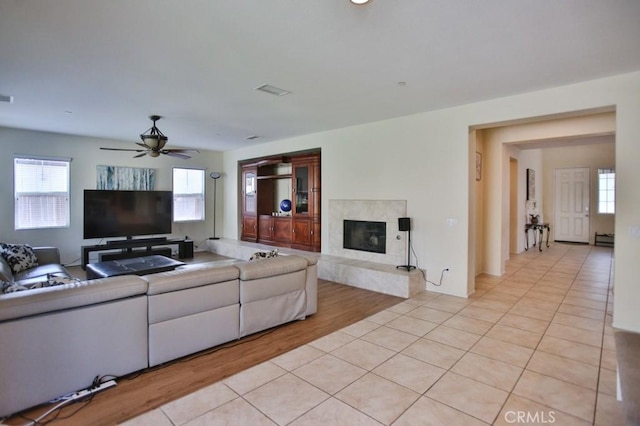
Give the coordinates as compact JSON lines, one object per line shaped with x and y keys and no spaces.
{"x":265,"y":183}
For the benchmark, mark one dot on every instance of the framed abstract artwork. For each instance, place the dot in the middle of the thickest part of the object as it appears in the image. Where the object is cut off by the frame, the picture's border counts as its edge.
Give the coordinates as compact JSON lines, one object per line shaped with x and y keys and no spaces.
{"x":114,"y":177}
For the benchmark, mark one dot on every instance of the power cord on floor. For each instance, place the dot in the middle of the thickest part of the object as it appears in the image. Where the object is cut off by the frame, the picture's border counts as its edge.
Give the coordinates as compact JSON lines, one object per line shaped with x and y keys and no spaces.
{"x":199,"y":243}
{"x":424,"y":275}
{"x":58,"y":407}
{"x":85,"y":396}
{"x":74,"y":262}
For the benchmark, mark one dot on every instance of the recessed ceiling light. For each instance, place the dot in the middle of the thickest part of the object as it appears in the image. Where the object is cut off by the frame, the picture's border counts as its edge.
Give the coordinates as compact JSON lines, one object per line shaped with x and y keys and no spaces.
{"x":273,"y":90}
{"x":401,"y":83}
{"x":7,"y":99}
{"x":360,"y":1}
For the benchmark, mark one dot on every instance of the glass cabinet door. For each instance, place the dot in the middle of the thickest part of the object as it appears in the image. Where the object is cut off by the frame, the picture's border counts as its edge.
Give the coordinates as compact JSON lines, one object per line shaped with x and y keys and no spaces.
{"x":250,"y":191}
{"x":301,"y":174}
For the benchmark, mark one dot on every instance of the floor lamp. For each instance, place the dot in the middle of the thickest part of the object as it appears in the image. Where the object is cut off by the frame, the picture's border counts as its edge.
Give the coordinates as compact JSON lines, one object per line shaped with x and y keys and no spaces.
{"x":404,"y":224}
{"x":215,"y":176}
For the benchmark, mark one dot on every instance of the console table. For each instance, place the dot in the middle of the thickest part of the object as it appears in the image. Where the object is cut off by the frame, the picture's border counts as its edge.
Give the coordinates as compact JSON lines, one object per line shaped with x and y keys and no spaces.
{"x":126,"y":247}
{"x":540,"y":227}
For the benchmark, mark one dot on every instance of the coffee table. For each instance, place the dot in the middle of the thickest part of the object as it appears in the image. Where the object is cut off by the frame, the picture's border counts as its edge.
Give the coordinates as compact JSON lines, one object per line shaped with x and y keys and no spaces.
{"x":134,"y":266}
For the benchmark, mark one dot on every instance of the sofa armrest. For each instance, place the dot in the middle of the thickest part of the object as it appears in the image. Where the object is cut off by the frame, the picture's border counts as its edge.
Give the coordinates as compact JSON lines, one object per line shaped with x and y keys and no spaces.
{"x":274,"y":266}
{"x":47,"y":255}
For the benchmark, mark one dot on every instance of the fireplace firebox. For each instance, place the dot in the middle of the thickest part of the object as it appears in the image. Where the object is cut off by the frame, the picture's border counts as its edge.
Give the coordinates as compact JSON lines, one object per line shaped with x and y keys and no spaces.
{"x":365,"y":236}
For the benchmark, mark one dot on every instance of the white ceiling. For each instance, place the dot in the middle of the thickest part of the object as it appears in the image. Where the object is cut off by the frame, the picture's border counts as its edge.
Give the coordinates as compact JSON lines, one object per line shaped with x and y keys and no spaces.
{"x":112,"y":63}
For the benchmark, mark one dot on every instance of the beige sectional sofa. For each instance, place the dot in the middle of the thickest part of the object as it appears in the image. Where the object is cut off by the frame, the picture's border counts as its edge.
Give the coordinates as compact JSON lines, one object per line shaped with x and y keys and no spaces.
{"x":55,"y":340}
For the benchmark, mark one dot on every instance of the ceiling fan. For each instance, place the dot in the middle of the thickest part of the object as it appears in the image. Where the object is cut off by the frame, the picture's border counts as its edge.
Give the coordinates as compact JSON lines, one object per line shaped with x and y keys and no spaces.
{"x":153,"y":142}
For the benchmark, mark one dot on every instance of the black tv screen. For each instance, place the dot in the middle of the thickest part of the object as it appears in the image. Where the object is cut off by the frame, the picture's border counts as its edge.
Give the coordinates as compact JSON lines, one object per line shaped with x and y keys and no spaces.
{"x":118,"y":213}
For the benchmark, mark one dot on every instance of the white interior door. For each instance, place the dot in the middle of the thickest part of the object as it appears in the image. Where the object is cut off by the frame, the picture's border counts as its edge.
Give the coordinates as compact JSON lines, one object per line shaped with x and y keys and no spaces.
{"x":572,"y":205}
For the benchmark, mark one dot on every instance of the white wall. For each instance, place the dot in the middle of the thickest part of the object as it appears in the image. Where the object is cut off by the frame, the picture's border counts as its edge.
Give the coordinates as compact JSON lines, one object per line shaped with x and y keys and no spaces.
{"x":391,"y":160}
{"x":86,"y":155}
{"x":425,"y":159}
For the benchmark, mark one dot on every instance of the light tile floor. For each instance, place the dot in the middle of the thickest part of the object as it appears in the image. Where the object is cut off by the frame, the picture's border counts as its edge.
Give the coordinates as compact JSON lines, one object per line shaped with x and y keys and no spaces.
{"x":534,"y":346}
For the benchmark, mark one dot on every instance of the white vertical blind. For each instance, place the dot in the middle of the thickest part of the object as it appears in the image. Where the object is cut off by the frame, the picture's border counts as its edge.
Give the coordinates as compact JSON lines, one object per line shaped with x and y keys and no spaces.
{"x":606,"y":191}
{"x":41,"y":192}
{"x":188,"y":194}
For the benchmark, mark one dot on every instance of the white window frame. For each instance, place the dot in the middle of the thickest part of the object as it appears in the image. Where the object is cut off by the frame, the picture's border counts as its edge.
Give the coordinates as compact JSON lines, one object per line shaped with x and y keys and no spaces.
{"x":195,"y":195}
{"x":41,"y":192}
{"x":606,"y":191}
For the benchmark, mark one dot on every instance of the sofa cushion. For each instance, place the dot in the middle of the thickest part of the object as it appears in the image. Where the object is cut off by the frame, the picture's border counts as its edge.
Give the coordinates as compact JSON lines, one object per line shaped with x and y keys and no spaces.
{"x":181,"y":279}
{"x":19,"y":256}
{"x":271,"y":267}
{"x":190,"y":301}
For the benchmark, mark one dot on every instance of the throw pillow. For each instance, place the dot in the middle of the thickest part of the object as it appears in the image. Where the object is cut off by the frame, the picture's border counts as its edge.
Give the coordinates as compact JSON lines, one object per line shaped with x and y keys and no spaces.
{"x":19,"y":256}
{"x":264,"y":255}
{"x":52,"y":281}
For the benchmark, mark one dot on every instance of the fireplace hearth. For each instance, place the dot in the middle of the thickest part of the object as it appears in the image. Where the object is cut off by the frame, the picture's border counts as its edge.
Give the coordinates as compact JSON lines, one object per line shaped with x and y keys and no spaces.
{"x":365,"y":236}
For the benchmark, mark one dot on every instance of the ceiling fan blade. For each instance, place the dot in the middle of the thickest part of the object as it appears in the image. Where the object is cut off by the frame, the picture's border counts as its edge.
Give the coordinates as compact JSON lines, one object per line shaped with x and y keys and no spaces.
{"x":143,"y":145}
{"x":121,"y":149}
{"x":180,"y":150}
{"x":176,"y":155}
{"x":140,"y":155}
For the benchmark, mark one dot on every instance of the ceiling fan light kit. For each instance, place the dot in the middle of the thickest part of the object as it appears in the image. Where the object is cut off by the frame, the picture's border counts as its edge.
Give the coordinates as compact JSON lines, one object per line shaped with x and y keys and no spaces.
{"x":153,"y":142}
{"x":153,"y":137}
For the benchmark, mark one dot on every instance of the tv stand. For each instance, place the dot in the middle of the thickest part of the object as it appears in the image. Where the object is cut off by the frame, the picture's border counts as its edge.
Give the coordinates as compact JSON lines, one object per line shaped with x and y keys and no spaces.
{"x":135,"y":242}
{"x":185,"y":248}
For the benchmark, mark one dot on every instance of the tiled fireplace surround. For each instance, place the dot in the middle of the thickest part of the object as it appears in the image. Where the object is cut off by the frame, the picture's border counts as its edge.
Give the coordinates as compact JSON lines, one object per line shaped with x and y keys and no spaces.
{"x":371,"y":211}
{"x":371,"y":271}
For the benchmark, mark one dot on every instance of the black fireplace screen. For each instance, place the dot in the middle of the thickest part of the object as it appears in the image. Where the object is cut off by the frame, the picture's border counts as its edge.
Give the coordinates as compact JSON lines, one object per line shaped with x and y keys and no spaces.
{"x":365,"y":236}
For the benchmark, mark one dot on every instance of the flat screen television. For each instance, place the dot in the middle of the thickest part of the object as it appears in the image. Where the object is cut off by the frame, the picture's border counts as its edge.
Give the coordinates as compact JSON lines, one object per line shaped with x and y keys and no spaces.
{"x":109,"y":213}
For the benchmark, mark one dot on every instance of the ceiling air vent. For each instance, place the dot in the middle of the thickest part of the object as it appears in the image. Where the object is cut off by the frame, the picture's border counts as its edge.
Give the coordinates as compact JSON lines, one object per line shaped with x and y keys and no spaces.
{"x":273,"y":90}
{"x":251,"y":138}
{"x":5,"y":98}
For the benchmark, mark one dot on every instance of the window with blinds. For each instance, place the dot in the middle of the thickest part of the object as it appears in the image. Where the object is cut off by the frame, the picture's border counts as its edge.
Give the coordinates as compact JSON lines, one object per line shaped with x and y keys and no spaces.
{"x":188,"y":194}
{"x":41,"y":192}
{"x":606,"y":191}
